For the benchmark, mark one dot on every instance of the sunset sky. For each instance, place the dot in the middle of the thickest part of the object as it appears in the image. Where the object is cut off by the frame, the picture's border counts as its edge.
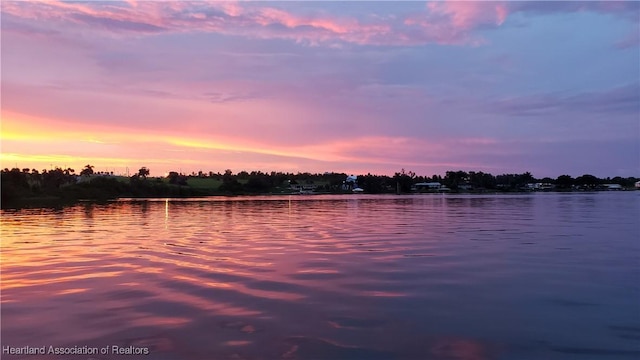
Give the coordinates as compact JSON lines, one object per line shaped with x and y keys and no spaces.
{"x":502,"y":87}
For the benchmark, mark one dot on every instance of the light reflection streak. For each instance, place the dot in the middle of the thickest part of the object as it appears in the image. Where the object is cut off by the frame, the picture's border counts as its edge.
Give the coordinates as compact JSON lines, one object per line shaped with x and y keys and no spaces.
{"x":8,"y":284}
{"x":166,"y":214}
{"x":237,"y":342}
{"x":149,"y":319}
{"x":70,"y":291}
{"x":193,"y":280}
{"x":213,"y":305}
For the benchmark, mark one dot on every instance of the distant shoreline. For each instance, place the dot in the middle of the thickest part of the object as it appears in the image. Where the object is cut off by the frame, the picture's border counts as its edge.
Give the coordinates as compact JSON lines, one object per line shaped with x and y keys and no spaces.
{"x":56,"y":188}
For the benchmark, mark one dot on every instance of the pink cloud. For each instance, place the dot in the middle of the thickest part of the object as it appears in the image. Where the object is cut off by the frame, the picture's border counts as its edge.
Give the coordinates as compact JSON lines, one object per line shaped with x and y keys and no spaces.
{"x":442,"y":22}
{"x":465,"y":15}
{"x":236,"y":19}
{"x":231,"y":8}
{"x":139,"y":18}
{"x":453,"y":22}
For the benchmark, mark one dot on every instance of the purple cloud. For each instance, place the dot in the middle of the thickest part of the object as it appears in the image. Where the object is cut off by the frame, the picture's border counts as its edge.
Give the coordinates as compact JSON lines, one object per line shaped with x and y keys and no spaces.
{"x":117,"y":24}
{"x":620,"y":100}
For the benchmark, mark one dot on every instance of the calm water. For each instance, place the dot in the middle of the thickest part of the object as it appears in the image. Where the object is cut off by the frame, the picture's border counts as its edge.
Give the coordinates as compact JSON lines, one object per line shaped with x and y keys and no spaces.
{"x":539,"y":276}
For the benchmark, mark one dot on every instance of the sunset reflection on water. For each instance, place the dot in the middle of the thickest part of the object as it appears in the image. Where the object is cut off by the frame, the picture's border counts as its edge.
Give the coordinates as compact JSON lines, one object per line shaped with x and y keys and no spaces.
{"x":328,"y":277}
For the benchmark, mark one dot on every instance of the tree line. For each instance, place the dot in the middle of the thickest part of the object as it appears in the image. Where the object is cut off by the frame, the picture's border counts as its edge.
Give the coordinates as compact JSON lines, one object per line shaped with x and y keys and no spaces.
{"x":66,"y":184}
{"x":478,"y":180}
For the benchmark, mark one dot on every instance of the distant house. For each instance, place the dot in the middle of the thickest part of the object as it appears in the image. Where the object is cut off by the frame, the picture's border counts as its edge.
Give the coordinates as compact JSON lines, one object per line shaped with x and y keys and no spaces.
{"x":429,"y":186}
{"x":637,"y":184}
{"x":613,"y":187}
{"x":540,"y":186}
{"x":303,"y":188}
{"x":547,"y":186}
{"x":532,"y":186}
{"x":350,"y":183}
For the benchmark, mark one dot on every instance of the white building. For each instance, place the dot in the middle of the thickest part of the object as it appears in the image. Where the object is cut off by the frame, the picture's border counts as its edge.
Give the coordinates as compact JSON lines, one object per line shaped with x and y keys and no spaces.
{"x":613,"y":186}
{"x":350,"y":183}
{"x":429,"y":186}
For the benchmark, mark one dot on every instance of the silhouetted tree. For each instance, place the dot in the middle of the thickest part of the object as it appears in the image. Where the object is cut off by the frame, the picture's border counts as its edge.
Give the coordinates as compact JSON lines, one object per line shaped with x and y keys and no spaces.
{"x":525,"y":178}
{"x":229,"y":183}
{"x":374,"y":184}
{"x":547,"y":180}
{"x":404,"y":180}
{"x":453,"y":179}
{"x":143,"y":172}
{"x":176,"y":179}
{"x":55,"y":178}
{"x":480,"y":180}
{"x":242,"y":175}
{"x":88,"y":170}
{"x":173,"y":177}
{"x":258,"y":182}
{"x":587,"y":180}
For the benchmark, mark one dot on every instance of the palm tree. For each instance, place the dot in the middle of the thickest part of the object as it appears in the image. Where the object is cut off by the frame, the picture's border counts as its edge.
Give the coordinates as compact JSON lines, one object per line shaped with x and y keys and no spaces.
{"x":88,"y":170}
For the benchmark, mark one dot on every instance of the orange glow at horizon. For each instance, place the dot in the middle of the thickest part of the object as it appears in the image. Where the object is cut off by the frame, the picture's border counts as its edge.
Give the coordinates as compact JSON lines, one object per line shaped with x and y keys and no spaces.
{"x":44,"y":143}
{"x":34,"y":142}
{"x":39,"y":135}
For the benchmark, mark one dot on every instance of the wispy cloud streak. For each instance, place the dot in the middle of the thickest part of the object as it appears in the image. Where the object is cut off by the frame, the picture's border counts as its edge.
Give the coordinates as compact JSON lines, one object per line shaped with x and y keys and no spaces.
{"x":620,"y":100}
{"x":440,"y":22}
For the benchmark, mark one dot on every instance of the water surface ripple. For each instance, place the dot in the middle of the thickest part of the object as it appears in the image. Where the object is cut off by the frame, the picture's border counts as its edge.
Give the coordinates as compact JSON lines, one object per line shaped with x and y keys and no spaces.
{"x":533,"y":276}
